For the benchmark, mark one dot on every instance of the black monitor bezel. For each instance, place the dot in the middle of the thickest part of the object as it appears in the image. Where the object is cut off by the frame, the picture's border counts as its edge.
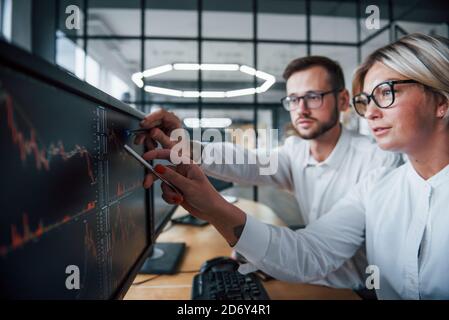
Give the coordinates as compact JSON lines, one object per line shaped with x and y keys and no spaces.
{"x":167,"y":218}
{"x":34,"y":66}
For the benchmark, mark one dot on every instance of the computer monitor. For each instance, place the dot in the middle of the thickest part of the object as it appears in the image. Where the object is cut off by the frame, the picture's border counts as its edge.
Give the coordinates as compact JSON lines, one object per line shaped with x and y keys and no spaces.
{"x":220,"y":185}
{"x":165,"y":257}
{"x":75,"y":221}
{"x":163,"y":211}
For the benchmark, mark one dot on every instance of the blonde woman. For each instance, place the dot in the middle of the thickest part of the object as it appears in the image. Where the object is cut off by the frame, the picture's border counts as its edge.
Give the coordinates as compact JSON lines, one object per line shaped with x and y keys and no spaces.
{"x":401,"y":215}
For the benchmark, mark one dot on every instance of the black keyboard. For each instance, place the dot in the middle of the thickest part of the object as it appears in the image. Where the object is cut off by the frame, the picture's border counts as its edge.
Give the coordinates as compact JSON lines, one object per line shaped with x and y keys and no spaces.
{"x":227,"y":285}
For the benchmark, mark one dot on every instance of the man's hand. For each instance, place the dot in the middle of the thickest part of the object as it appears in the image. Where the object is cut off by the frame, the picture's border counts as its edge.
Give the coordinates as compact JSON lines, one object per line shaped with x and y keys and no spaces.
{"x":161,"y":123}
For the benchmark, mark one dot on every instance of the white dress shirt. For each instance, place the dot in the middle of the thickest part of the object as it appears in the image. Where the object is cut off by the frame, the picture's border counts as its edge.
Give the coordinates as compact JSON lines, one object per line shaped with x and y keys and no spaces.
{"x":316,"y":186}
{"x":401,"y":218}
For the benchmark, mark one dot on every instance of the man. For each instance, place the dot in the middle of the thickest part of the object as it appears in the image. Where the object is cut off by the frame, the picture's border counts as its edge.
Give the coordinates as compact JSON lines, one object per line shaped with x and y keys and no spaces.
{"x":319,"y":166}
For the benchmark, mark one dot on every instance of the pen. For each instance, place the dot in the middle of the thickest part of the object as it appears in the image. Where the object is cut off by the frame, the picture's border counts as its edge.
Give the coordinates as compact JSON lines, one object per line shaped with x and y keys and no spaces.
{"x":134,"y":131}
{"x":149,"y":167}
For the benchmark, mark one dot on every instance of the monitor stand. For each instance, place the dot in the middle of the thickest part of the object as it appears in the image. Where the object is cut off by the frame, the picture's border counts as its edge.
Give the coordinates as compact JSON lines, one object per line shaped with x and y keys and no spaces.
{"x":164,"y":259}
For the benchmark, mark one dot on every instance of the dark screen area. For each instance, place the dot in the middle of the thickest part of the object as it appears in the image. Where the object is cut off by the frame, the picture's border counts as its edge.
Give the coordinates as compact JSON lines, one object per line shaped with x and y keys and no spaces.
{"x":162,"y":210}
{"x":70,"y":194}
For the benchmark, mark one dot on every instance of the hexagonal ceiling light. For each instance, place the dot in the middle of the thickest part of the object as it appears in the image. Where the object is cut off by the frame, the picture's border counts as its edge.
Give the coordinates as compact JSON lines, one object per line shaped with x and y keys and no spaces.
{"x":138,"y":77}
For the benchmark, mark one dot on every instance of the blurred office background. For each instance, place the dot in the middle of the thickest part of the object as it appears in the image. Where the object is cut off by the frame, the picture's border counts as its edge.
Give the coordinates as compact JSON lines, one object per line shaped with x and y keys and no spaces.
{"x":117,"y":38}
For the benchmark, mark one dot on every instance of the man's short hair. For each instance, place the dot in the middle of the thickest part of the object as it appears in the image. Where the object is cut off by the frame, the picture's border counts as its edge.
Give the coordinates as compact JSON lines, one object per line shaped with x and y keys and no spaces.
{"x":333,"y":68}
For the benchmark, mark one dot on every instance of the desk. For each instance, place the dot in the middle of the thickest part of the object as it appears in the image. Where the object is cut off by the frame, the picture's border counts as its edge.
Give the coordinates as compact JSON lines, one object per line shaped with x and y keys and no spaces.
{"x":203,"y":243}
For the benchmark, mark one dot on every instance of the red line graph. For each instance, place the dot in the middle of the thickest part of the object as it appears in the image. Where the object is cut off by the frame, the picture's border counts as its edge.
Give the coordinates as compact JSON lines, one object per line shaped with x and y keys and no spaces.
{"x":122,"y":232}
{"x":89,"y":241}
{"x":19,"y":239}
{"x":123,"y":227}
{"x":120,"y":189}
{"x":90,"y":205}
{"x":117,"y":143}
{"x":43,"y":157}
{"x":115,"y":140}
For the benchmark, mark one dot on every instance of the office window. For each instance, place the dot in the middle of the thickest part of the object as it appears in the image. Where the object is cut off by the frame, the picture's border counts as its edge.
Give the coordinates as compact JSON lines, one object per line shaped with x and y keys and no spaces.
{"x":420,"y":16}
{"x":16,"y":23}
{"x":183,"y":112}
{"x":117,"y":61}
{"x":273,"y":58}
{"x":70,"y":55}
{"x":378,"y":41}
{"x":70,"y":36}
{"x":406,"y":27}
{"x":282,"y":121}
{"x":227,"y":19}
{"x":333,"y":21}
{"x":346,"y":56}
{"x":6,"y":19}
{"x":367,"y":48}
{"x":282,"y":202}
{"x":107,"y":17}
{"x":265,"y":123}
{"x":242,"y":134}
{"x":281,"y":20}
{"x":70,"y":24}
{"x":162,"y":52}
{"x":171,"y":18}
{"x":384,"y":13}
{"x":114,"y":47}
{"x":241,"y":123}
{"x":228,"y":53}
{"x":241,"y":118}
{"x":2,"y":13}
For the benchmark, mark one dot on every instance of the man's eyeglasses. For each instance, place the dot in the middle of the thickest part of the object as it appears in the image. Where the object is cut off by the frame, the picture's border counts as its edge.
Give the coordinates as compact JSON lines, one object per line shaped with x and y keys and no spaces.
{"x":312,"y":100}
{"x":383,"y":96}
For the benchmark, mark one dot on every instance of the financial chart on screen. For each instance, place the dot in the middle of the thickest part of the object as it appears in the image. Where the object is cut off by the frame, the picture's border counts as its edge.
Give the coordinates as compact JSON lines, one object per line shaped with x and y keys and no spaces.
{"x":69,"y":193}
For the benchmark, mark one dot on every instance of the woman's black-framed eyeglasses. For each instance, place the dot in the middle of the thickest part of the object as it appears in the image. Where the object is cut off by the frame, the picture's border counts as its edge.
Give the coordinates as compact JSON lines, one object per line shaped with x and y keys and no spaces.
{"x":312,"y":100}
{"x":383,"y":96}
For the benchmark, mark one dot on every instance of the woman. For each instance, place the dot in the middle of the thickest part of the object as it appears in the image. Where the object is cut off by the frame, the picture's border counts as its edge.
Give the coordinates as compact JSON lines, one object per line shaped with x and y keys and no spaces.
{"x":401,"y":215}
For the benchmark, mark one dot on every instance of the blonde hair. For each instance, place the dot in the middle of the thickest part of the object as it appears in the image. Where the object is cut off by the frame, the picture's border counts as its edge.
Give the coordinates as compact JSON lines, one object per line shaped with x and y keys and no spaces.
{"x":417,"y":56}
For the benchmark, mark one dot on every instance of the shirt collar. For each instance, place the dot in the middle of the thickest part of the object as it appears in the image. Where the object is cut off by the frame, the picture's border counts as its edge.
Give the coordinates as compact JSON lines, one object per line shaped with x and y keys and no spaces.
{"x":337,"y":155}
{"x":441,"y":177}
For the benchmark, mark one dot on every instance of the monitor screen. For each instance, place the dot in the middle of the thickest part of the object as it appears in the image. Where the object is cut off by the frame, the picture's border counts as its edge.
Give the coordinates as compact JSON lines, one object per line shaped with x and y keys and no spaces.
{"x":75,"y":221}
{"x":162,"y":210}
{"x":220,"y":185}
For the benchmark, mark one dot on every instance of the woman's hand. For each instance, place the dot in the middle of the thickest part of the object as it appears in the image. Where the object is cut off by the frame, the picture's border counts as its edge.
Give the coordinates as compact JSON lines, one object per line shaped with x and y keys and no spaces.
{"x":193,"y":184}
{"x":199,"y":196}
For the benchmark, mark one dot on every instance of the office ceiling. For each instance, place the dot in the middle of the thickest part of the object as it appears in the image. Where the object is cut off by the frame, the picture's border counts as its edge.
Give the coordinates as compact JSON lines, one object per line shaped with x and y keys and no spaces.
{"x":415,"y":10}
{"x":178,"y":17}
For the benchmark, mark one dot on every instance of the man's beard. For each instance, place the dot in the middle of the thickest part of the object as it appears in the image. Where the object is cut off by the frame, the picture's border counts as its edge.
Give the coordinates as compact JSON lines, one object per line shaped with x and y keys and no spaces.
{"x":322,"y":127}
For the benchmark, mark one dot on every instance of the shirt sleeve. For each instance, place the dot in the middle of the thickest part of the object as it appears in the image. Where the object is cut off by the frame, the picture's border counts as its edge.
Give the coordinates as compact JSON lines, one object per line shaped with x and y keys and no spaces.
{"x":233,"y":163}
{"x":309,"y":254}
